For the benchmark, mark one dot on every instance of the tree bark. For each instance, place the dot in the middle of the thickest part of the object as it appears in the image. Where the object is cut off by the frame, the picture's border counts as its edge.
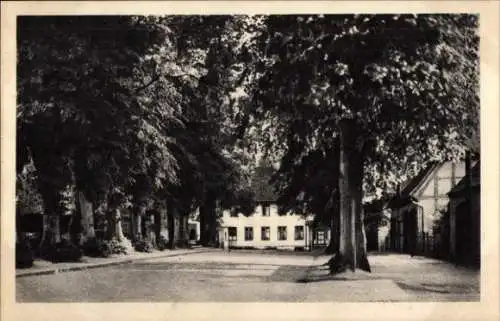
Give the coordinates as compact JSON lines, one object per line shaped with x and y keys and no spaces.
{"x":110,"y":219}
{"x":183,"y":230}
{"x":138,"y":217}
{"x":334,"y":203}
{"x":208,"y":221}
{"x":45,"y":228}
{"x":118,"y":226}
{"x":55,"y":229}
{"x":87,"y":217}
{"x":357,"y":178}
{"x":203,"y":233}
{"x":51,"y":233}
{"x":351,"y":252}
{"x":171,"y":225}
{"x":157,"y":224}
{"x":333,"y":246}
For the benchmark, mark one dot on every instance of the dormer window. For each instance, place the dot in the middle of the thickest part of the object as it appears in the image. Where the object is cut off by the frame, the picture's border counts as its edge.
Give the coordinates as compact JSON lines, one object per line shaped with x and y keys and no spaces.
{"x":266,"y":210}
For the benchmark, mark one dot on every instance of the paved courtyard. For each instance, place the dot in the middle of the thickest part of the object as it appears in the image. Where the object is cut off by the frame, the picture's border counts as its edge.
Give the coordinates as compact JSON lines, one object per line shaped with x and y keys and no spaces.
{"x":250,"y":276}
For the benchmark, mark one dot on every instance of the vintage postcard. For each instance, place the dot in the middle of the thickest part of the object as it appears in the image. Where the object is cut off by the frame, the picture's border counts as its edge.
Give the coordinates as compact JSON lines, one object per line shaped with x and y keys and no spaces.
{"x":216,"y":160}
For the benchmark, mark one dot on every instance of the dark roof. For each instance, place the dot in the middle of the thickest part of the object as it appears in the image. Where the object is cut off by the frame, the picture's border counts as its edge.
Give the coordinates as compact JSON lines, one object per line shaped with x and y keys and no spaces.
{"x":408,"y":192}
{"x":415,"y":183}
{"x":261,"y":184}
{"x":476,"y":180}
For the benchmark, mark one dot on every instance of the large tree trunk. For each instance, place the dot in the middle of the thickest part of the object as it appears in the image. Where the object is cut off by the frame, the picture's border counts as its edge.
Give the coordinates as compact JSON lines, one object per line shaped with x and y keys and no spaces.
{"x":45,"y":228}
{"x":111,"y":226}
{"x":351,"y":252}
{"x":333,"y":245}
{"x":54,"y":229}
{"x":138,"y":217}
{"x":51,"y":233}
{"x":203,"y":233}
{"x":357,"y":179}
{"x":115,"y":230}
{"x":171,"y":214}
{"x":87,"y":217}
{"x":157,"y":226}
{"x":208,"y":221}
{"x":118,"y":226}
{"x":334,"y":203}
{"x":183,"y":230}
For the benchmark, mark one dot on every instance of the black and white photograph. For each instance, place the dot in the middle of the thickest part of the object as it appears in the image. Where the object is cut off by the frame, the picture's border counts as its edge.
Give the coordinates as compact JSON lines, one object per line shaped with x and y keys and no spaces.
{"x":232,"y":158}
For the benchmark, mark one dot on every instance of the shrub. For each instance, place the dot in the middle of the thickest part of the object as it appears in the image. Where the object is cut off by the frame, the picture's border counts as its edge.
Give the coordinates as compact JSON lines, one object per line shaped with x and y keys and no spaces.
{"x":24,"y":255}
{"x":116,"y":247}
{"x":162,"y":242}
{"x":143,"y":246}
{"x":65,"y":251}
{"x":97,"y":248}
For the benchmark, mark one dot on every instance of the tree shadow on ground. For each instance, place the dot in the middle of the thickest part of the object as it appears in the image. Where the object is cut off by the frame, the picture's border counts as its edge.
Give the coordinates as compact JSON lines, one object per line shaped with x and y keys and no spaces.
{"x":321,"y":273}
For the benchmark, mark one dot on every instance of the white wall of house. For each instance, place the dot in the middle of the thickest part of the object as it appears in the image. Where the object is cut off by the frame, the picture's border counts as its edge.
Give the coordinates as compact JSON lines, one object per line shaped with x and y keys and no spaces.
{"x":194,"y":225}
{"x":434,"y":192}
{"x":273,"y":221}
{"x":431,"y":198}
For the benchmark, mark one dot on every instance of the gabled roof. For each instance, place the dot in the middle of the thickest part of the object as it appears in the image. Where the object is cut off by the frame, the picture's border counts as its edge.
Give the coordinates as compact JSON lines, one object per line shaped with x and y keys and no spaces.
{"x":411,"y":189}
{"x":462,"y":184}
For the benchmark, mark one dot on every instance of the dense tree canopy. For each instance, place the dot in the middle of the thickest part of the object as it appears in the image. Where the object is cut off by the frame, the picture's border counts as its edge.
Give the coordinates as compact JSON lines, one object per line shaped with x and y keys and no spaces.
{"x":140,"y":106}
{"x":391,"y":92}
{"x":409,"y":82}
{"x":173,"y":108}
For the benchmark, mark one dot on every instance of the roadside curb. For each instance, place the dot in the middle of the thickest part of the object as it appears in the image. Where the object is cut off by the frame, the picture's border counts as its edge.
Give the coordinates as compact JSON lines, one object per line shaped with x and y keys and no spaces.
{"x":89,"y":266}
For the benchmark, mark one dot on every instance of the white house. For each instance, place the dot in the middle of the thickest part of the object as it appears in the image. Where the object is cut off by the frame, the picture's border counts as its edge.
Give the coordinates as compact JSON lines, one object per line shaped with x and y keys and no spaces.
{"x":266,"y":228}
{"x":417,"y":210}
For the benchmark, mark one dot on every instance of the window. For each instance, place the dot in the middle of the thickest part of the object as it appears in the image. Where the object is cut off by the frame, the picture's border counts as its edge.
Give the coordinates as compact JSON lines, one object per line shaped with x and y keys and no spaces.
{"x":320,"y":237}
{"x":282,"y":233}
{"x":248,"y":233}
{"x":266,"y":210}
{"x":299,"y":233}
{"x":265,"y":233}
{"x":233,"y":233}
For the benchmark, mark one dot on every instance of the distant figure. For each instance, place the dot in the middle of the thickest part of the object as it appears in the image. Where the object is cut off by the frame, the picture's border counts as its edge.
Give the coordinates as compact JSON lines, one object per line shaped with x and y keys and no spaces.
{"x":225,"y":242}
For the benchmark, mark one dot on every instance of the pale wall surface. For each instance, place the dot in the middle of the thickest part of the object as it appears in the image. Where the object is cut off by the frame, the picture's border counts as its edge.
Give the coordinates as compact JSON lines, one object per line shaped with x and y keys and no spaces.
{"x":257,"y":220}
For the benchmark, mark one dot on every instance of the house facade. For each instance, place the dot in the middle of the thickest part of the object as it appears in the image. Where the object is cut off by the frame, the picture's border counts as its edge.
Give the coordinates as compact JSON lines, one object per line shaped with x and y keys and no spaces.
{"x":266,"y":228}
{"x":419,"y":209}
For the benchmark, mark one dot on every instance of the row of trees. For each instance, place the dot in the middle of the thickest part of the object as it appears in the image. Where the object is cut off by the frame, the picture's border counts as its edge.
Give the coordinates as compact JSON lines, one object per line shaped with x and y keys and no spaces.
{"x":165,"y":111}
{"x":132,"y":112}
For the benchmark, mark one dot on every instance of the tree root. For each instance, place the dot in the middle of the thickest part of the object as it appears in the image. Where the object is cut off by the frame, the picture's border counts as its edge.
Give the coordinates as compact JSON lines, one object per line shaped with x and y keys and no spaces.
{"x":363,"y":263}
{"x":338,"y":264}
